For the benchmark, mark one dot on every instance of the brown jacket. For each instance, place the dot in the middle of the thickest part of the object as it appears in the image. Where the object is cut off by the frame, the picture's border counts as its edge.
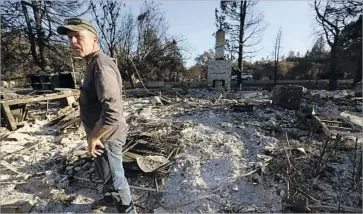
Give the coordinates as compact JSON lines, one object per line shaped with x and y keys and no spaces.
{"x":101,"y":97}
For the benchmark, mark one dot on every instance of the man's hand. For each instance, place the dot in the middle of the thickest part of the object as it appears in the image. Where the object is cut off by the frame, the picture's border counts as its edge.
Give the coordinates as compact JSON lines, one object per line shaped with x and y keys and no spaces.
{"x":94,"y":147}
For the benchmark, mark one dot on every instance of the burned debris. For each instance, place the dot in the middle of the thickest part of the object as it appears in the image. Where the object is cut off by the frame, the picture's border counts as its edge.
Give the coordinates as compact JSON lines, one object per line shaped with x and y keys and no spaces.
{"x":206,"y":149}
{"x":14,"y":108}
{"x":226,"y":130}
{"x":227,"y":152}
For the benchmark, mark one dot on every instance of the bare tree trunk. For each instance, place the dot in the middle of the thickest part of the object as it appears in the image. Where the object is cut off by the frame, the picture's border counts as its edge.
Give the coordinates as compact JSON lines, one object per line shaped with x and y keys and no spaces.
{"x":243,"y":9}
{"x":277,"y":53}
{"x":358,"y":73}
{"x":275,"y":75}
{"x":331,"y":21}
{"x":333,"y":63}
{"x":30,"y":34}
{"x":128,"y":70}
{"x":170,"y":74}
{"x":177,"y":75}
{"x":38,"y":25}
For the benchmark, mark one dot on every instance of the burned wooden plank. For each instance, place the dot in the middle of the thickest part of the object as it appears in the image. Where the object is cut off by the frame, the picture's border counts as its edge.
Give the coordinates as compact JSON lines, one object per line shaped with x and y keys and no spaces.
{"x":38,"y":98}
{"x":70,"y":123}
{"x":130,"y":147}
{"x":70,"y":119}
{"x":339,"y":128}
{"x":55,"y":120}
{"x":332,"y":121}
{"x":130,"y":156}
{"x":8,"y":116}
{"x":337,"y":125}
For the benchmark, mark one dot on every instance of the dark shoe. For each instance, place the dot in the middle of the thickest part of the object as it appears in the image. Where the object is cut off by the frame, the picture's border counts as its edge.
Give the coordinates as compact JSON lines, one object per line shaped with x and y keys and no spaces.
{"x":126,"y":208}
{"x":102,"y":204}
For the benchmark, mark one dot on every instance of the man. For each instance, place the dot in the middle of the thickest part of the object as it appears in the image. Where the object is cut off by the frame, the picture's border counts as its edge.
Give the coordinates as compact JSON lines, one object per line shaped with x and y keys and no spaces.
{"x":101,"y":112}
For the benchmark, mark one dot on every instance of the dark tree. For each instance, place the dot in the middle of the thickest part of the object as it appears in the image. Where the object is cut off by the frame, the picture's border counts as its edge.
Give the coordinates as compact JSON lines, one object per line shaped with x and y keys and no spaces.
{"x":333,"y":16}
{"x":277,"y":50}
{"x":350,"y":48}
{"x":109,"y":18}
{"x":37,"y":22}
{"x":243,"y":27}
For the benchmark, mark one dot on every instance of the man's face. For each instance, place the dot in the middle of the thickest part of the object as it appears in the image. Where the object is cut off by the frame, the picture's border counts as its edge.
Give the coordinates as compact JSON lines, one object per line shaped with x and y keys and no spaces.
{"x":82,"y":42}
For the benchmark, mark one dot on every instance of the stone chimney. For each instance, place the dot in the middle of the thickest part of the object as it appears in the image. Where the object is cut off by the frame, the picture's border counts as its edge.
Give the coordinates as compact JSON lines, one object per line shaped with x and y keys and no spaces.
{"x":220,"y":44}
{"x":219,"y":70}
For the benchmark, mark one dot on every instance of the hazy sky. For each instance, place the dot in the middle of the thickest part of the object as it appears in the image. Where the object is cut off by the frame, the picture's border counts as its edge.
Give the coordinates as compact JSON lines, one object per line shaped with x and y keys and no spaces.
{"x":194,"y":21}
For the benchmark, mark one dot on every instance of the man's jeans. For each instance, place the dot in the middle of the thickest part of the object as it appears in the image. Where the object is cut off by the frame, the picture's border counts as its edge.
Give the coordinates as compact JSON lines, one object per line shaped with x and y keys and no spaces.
{"x":109,"y":168}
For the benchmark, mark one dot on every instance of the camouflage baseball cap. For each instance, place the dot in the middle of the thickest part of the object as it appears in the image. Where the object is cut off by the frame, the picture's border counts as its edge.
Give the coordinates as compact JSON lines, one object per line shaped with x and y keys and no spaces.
{"x":75,"y":25}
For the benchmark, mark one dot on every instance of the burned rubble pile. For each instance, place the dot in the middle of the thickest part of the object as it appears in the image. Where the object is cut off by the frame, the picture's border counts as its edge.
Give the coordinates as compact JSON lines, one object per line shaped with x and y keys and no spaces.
{"x":321,"y":170}
{"x":195,"y":150}
{"x":45,"y":161}
{"x":210,"y":170}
